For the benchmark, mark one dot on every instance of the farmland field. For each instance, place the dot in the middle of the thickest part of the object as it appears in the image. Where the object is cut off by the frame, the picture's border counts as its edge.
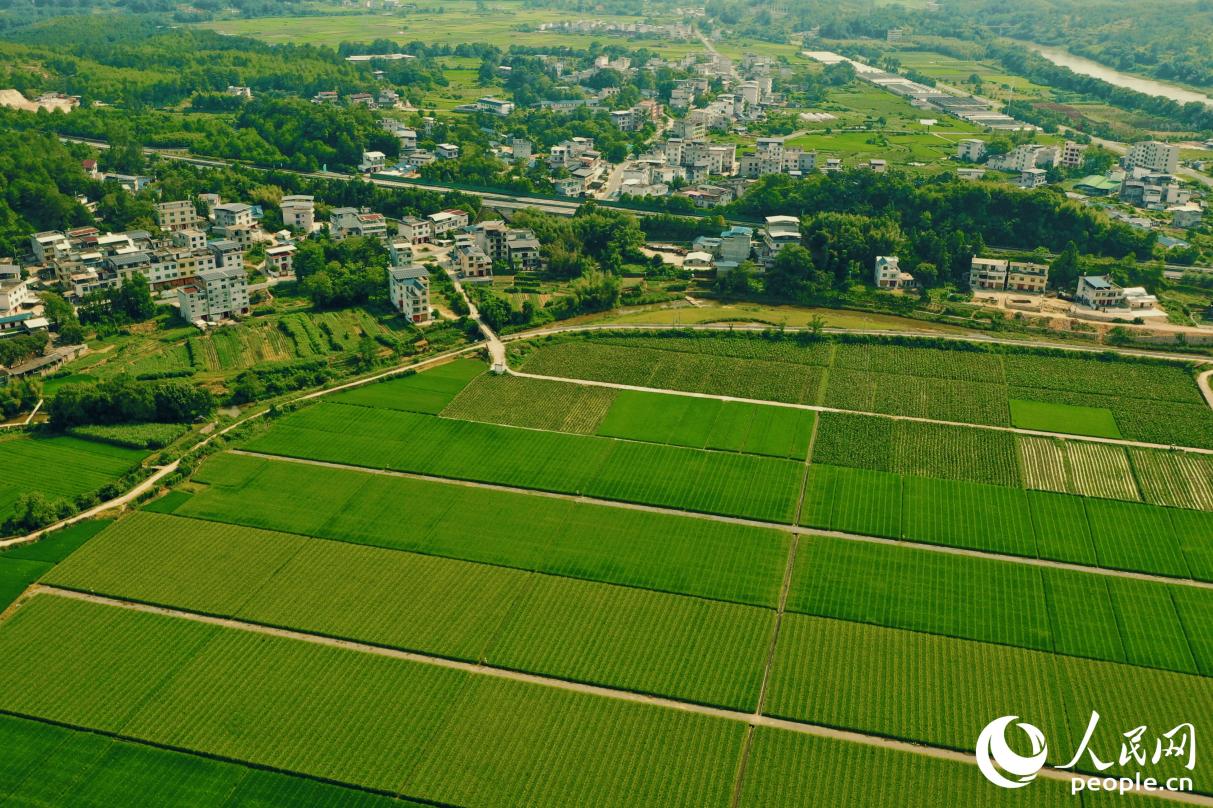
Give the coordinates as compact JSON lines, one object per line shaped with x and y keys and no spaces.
{"x":1074,"y":613}
{"x":45,"y":763}
{"x":942,"y":691}
{"x":959,"y":384}
{"x":673,"y":645}
{"x":532,"y":403}
{"x":715,"y":482}
{"x":35,"y":463}
{"x":426,"y":392}
{"x":614,"y":545}
{"x":1067,"y":418}
{"x":709,"y":423}
{"x":372,"y":721}
{"x":460,"y":589}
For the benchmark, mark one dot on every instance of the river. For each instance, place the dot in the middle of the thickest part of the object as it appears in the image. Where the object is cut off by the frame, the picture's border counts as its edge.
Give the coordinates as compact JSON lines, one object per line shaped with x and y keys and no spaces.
{"x":1087,"y":67}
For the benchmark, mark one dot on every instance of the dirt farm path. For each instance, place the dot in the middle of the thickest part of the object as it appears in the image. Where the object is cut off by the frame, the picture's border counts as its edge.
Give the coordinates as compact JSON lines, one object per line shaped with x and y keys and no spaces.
{"x":751,"y":719}
{"x":820,"y":408}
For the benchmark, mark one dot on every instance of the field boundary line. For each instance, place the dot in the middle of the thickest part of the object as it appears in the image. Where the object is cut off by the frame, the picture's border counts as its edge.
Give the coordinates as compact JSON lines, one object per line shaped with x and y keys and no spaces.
{"x":713,"y":517}
{"x":737,"y":716}
{"x":822,"y":408}
{"x":769,"y":663}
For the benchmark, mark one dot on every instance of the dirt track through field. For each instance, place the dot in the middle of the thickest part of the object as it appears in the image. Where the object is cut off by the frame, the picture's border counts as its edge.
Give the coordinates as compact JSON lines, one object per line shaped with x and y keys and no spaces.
{"x":750,"y":719}
{"x":836,"y":534}
{"x":820,"y":408}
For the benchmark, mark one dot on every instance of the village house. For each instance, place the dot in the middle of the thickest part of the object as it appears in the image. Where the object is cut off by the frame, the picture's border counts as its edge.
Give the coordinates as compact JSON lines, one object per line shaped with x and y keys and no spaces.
{"x":887,"y":274}
{"x":409,"y":291}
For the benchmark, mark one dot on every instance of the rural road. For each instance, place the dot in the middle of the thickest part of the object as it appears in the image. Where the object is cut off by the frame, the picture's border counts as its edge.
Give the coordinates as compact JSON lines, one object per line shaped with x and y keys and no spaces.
{"x":1205,"y":382}
{"x":481,"y":669}
{"x":496,"y":347}
{"x":734,"y":520}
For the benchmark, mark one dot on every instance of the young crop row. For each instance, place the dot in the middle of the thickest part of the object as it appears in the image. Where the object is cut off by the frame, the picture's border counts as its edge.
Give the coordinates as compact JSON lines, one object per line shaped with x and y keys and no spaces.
{"x":709,"y":423}
{"x":1097,"y":532}
{"x":357,"y":718}
{"x":532,"y":403}
{"x":1068,"y":612}
{"x":427,"y":392}
{"x":939,"y":690}
{"x":713,"y":482}
{"x":911,"y":447}
{"x":1109,"y":378}
{"x":739,"y":345}
{"x":933,"y":363}
{"x":673,"y":370}
{"x":594,"y":542}
{"x":1179,"y":479}
{"x":1076,"y":467}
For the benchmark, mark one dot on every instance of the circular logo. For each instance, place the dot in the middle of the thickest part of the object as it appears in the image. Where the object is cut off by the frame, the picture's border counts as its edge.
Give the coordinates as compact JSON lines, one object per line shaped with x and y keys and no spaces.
{"x":994,"y":757}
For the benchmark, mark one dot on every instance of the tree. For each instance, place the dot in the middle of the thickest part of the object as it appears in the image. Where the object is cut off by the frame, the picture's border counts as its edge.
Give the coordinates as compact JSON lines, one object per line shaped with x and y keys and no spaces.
{"x":1065,"y":269}
{"x":794,"y":276}
{"x":738,"y":282}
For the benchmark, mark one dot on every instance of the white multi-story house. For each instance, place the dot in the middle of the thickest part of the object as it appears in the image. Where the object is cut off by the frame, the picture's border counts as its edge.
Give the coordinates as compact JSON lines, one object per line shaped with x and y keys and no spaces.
{"x":988,"y":273}
{"x":233,"y":214}
{"x":415,"y":231}
{"x":777,"y":233}
{"x":215,"y":295}
{"x":178,"y":215}
{"x":1098,"y":292}
{"x":409,"y":291}
{"x":495,"y":106}
{"x":971,"y":149}
{"x":1032,"y":178}
{"x":1153,"y":155}
{"x":1023,"y":276}
{"x":372,"y":161}
{"x":447,"y":151}
{"x":228,"y":254}
{"x":736,"y":244}
{"x":446,"y":220}
{"x":14,"y":294}
{"x":190,"y":239}
{"x":280,"y":260}
{"x":887,"y":274}
{"x":299,"y":212}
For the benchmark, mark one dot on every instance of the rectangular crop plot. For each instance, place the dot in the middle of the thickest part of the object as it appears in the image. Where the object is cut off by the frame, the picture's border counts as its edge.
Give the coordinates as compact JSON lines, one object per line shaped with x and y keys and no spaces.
{"x":1063,"y":418}
{"x":1076,"y":467}
{"x":1084,"y":622}
{"x":1062,"y":530}
{"x":49,"y":764}
{"x":1178,"y":479}
{"x":709,"y":423}
{"x":859,"y":501}
{"x":1149,"y":625}
{"x":962,"y":514}
{"x":651,"y":642}
{"x":532,"y":403}
{"x":1193,"y":530}
{"x":917,"y":448}
{"x":942,"y":691}
{"x":921,"y":590}
{"x":1132,"y":536}
{"x":616,"y":545}
{"x":428,"y":391}
{"x":671,"y":476}
{"x":356,"y":718}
